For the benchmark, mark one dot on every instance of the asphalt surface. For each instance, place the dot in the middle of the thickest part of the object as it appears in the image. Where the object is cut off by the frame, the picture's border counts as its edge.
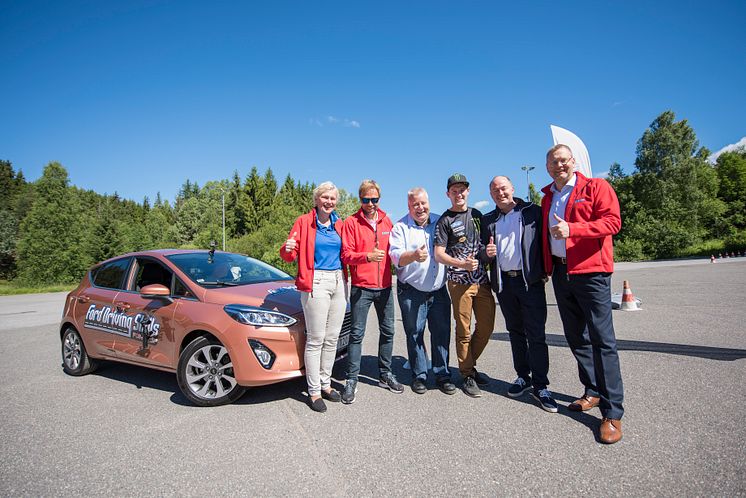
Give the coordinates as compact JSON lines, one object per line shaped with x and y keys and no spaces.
{"x":127,"y":431}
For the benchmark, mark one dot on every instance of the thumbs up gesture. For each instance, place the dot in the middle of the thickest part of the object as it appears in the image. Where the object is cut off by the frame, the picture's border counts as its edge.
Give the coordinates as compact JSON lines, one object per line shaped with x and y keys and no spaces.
{"x":470,"y":263}
{"x":561,"y":230}
{"x":420,"y":255}
{"x":291,"y":243}
{"x":491,"y":248}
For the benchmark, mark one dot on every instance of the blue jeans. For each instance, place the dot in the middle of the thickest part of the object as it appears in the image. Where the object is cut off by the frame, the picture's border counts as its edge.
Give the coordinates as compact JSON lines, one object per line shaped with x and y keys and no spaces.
{"x":360,"y":301}
{"x":584,"y":303}
{"x":434,"y":308}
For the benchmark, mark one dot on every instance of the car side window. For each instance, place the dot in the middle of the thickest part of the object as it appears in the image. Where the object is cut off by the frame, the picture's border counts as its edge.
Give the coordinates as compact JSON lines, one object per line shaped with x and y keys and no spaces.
{"x":181,"y":290}
{"x":151,"y":272}
{"x":111,"y":275}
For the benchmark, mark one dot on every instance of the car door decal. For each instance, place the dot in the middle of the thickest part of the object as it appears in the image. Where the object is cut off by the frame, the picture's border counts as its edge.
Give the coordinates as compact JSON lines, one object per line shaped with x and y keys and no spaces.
{"x":109,"y":319}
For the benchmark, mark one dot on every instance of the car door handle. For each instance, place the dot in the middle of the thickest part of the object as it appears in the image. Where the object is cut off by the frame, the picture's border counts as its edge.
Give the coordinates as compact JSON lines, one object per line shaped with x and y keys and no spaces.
{"x":83,"y":299}
{"x":123,"y":306}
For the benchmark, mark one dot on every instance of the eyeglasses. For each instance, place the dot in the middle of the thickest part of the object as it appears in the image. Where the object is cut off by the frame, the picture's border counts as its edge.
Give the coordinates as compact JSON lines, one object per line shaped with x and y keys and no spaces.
{"x":562,"y":162}
{"x":368,"y":200}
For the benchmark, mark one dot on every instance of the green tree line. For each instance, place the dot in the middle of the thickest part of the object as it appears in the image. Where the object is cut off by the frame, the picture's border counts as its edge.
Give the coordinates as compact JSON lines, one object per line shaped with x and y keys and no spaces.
{"x":674,"y":203}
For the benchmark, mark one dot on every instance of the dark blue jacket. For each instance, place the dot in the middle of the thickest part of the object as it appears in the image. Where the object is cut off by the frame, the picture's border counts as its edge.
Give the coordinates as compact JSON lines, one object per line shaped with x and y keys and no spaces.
{"x":531,"y":233}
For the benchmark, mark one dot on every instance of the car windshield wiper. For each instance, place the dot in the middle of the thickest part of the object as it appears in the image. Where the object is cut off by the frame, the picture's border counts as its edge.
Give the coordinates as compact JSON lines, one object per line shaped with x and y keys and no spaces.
{"x":221,"y":283}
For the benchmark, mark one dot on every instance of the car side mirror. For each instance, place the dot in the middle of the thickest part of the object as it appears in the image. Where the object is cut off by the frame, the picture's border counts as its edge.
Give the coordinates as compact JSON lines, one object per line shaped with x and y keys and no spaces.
{"x":156,"y":291}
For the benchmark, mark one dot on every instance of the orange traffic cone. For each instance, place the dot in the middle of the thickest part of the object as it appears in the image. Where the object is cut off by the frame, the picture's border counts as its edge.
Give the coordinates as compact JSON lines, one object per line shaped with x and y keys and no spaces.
{"x":712,"y":258}
{"x":629,"y":303}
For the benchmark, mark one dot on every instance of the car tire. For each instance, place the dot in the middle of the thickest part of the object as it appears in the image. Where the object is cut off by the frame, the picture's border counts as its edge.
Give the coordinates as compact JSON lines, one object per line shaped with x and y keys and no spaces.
{"x":203,"y":376}
{"x":75,"y":359}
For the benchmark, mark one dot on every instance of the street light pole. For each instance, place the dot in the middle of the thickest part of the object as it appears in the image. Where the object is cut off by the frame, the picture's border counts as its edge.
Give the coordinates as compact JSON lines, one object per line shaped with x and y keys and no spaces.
{"x":527,"y":169}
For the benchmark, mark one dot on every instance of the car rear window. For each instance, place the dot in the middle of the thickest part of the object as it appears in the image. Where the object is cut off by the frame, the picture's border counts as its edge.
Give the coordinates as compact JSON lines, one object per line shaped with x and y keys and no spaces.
{"x":111,"y":275}
{"x":226,"y":268}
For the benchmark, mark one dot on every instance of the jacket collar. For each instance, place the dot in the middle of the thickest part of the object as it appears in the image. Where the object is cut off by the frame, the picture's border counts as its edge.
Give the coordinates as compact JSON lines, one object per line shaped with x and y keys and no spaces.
{"x":361,"y":215}
{"x":580,"y":182}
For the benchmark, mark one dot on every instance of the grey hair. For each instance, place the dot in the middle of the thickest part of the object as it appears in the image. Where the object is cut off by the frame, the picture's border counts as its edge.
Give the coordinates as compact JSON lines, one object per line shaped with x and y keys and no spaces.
{"x":416,"y":191}
{"x":323,"y":188}
{"x":503,"y":176}
{"x":556,"y":148}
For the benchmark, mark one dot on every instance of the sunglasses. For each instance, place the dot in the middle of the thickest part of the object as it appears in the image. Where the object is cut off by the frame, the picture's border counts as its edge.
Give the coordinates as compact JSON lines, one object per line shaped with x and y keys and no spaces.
{"x":368,"y":200}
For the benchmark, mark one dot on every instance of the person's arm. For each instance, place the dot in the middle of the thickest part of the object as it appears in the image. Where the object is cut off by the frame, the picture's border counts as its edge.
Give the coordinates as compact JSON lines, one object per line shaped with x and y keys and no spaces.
{"x":606,"y":221}
{"x":469,"y":264}
{"x":289,"y":250}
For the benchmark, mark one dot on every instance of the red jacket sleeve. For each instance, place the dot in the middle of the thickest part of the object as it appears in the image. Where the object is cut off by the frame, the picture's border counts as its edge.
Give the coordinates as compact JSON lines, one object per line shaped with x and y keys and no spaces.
{"x":350,"y":256}
{"x":607,"y":218}
{"x":292,"y":255}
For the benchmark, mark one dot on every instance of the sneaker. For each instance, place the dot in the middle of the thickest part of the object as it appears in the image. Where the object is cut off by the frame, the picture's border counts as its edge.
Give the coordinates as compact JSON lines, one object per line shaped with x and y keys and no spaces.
{"x":418,"y":386}
{"x":518,"y":387}
{"x":388,"y":381}
{"x":446,"y":386}
{"x":332,"y":395}
{"x":544,"y":397}
{"x":348,"y":396}
{"x":471,"y":388}
{"x":481,"y":379}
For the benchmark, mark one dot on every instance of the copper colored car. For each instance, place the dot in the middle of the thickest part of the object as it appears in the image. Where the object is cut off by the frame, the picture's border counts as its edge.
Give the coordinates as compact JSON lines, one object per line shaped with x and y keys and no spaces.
{"x":221,"y":321}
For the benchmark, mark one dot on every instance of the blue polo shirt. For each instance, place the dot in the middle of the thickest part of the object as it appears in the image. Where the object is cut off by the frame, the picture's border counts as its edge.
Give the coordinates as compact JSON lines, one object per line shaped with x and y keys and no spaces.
{"x":326,"y":254}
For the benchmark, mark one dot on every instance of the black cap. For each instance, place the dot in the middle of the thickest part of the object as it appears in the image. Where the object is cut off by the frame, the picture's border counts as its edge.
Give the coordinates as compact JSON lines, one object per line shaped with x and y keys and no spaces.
{"x":457,"y":178}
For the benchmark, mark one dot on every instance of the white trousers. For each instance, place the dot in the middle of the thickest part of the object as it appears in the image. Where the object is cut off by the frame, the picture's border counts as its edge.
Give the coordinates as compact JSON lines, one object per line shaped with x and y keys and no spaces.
{"x":324,"y":310}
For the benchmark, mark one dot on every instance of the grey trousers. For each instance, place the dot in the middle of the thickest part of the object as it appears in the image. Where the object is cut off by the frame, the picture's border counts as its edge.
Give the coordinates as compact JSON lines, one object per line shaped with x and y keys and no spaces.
{"x":324,"y":310}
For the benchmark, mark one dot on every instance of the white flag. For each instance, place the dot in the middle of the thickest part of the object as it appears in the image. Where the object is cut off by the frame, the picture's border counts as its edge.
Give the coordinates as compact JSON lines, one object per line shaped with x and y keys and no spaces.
{"x":579,"y":152}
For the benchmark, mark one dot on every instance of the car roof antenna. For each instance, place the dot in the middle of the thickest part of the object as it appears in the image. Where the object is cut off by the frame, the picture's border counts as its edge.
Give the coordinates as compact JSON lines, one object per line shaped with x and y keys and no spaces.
{"x":213,"y":245}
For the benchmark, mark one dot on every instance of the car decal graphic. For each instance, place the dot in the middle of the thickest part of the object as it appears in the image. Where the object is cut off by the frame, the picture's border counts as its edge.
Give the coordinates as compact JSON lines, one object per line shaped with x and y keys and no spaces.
{"x":108,"y":319}
{"x":280,"y":290}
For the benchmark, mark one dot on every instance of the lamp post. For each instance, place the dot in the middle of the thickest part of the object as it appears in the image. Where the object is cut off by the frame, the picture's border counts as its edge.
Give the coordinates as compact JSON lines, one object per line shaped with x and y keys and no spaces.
{"x":527,"y":169}
{"x":222,"y":198}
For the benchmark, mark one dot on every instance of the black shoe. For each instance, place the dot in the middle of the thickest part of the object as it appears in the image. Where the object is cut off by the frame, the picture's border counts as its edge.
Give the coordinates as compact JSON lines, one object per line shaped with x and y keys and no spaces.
{"x":518,"y":387}
{"x":388,"y":381}
{"x":471,"y":388}
{"x":481,"y":379}
{"x":317,"y":405}
{"x":332,"y":396}
{"x":418,"y":386}
{"x":348,"y":396}
{"x":544,"y":397}
{"x":446,"y":386}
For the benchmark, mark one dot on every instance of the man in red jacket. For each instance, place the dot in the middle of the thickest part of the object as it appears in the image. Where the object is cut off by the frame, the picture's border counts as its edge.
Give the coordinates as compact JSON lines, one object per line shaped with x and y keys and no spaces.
{"x":582,"y":214}
{"x":365,"y":248}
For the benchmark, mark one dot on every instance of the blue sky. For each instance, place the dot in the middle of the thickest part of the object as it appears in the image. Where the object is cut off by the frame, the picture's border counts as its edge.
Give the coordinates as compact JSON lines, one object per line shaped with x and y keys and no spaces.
{"x":136,"y":97}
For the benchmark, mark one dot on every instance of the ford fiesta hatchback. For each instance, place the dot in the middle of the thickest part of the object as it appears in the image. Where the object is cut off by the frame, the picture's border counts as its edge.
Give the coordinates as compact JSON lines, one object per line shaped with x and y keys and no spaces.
{"x":220,"y":321}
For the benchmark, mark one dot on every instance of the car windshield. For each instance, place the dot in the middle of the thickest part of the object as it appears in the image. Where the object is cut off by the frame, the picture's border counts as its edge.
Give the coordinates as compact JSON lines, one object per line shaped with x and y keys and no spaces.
{"x":225,"y":269}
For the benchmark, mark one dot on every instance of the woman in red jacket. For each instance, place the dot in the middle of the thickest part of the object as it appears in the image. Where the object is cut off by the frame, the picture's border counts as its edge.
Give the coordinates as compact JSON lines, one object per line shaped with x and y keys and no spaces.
{"x":316,"y":243}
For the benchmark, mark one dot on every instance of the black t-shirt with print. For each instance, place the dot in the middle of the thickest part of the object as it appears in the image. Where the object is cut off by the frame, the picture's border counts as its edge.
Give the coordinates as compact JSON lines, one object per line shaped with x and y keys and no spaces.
{"x":458,"y":232}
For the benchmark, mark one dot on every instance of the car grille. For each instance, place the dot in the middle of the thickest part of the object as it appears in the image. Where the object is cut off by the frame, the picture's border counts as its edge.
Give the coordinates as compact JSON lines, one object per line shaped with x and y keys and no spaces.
{"x":346,"y":324}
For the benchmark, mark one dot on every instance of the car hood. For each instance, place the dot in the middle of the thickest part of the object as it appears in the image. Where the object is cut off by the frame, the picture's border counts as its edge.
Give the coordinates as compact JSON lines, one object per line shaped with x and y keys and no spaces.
{"x":279,"y":296}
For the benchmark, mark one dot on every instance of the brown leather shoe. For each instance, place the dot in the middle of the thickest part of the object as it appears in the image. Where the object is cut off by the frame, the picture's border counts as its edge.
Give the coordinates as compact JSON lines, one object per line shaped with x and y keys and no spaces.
{"x":584,"y":404}
{"x":610,"y":431}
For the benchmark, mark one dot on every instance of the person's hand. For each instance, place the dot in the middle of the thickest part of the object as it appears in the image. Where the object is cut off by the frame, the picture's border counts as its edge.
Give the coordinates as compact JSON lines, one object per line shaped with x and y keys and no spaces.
{"x":420,"y":255}
{"x":561,"y":230}
{"x":470,"y":264}
{"x":291,"y":243}
{"x":375,"y":255}
{"x":491,"y":248}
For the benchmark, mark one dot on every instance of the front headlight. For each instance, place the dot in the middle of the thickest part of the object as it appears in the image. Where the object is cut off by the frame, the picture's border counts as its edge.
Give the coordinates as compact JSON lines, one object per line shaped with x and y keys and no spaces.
{"x":250,"y":315}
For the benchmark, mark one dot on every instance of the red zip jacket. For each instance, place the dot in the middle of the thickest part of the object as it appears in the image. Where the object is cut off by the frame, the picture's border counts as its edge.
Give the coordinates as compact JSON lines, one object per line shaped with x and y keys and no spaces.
{"x":358,"y":239}
{"x":593,"y":215}
{"x":305,"y":228}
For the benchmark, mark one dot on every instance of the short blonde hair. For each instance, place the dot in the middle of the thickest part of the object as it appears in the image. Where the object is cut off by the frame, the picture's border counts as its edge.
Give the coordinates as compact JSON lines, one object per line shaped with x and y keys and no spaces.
{"x":367,"y":184}
{"x":323,"y":188}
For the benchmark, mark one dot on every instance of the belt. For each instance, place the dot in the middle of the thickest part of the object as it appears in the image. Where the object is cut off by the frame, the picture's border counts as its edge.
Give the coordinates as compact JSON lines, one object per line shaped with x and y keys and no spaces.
{"x":559,"y":261}
{"x":512,"y":273}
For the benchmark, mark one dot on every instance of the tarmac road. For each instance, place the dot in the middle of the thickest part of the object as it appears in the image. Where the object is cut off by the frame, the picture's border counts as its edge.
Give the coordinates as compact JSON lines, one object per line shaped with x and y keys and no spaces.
{"x":128,"y":431}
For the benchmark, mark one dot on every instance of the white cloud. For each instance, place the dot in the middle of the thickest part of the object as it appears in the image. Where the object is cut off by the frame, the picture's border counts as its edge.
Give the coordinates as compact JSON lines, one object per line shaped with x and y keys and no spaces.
{"x":481,"y":204}
{"x":728,"y":148}
{"x":335,"y":121}
{"x":602,"y":174}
